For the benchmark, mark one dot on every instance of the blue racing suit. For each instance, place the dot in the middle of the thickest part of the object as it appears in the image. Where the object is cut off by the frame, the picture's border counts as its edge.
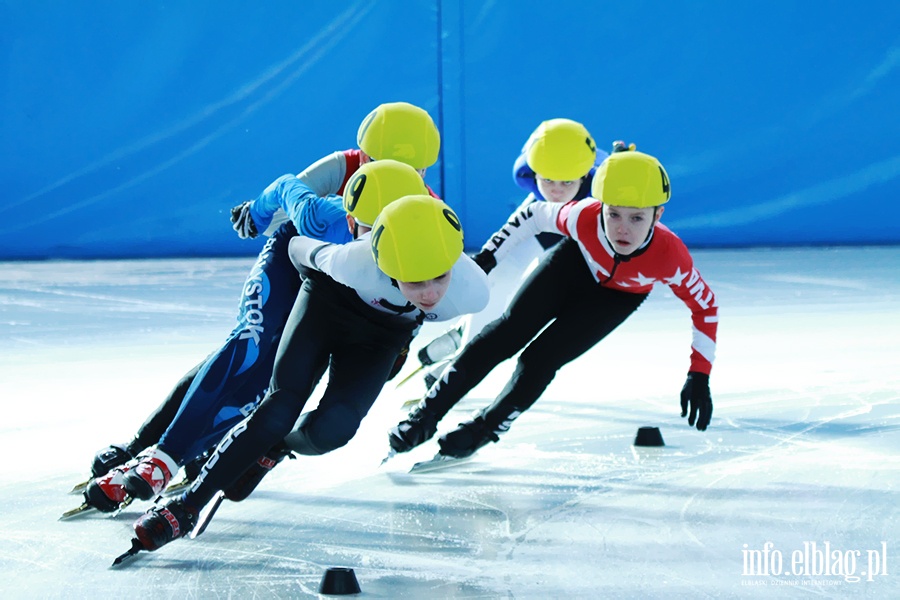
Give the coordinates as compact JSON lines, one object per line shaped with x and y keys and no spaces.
{"x":230,"y":382}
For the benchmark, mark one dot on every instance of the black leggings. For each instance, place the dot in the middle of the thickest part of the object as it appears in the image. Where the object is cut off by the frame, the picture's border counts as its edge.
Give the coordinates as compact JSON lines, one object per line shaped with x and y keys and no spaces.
{"x":561,"y":291}
{"x":329,"y":327}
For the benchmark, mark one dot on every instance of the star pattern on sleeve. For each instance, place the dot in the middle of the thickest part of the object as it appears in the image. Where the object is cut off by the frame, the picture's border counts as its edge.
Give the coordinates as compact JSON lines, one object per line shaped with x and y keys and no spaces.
{"x":677,"y":278}
{"x":643,"y":280}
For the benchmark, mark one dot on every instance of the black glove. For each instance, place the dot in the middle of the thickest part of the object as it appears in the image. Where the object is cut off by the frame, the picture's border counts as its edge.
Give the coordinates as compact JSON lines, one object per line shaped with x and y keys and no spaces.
{"x":242,"y":221}
{"x":696,"y":394}
{"x":417,"y":429}
{"x":466,"y":439}
{"x":485,"y":259}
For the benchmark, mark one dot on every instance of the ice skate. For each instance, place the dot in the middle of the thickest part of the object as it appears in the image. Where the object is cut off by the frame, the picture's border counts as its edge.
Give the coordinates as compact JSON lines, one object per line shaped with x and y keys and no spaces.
{"x":150,"y":476}
{"x":107,"y":493}
{"x":244,"y":485}
{"x":417,"y":428}
{"x":109,"y":458}
{"x":104,"y":461}
{"x":164,"y":523}
{"x":467,"y":439}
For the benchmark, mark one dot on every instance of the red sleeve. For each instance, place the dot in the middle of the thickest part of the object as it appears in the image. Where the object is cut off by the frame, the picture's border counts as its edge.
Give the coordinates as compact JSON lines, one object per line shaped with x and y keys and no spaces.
{"x":687,"y":283}
{"x":352,"y":158}
{"x":562,"y":218}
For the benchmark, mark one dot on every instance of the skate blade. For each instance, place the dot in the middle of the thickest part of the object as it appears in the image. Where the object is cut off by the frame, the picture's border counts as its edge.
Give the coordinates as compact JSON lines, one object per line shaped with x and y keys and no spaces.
{"x":79,"y":510}
{"x":410,"y":376}
{"x":136,"y":546}
{"x":86,"y":508}
{"x":437,"y":463}
{"x":207,"y":515}
{"x":79,"y":487}
{"x":125,"y":503}
{"x":391,"y":454}
{"x":177,"y":487}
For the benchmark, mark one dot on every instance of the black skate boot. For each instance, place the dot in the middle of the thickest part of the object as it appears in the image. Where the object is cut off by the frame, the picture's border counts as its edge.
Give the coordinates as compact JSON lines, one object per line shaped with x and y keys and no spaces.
{"x":467,"y":439}
{"x":418,"y":428}
{"x":244,"y":485}
{"x":109,"y":458}
{"x":162,"y":524}
{"x":193,"y":468}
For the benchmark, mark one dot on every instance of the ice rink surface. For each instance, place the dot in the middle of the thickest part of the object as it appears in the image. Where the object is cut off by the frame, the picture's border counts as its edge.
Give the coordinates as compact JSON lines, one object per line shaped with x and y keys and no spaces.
{"x":792,"y":492}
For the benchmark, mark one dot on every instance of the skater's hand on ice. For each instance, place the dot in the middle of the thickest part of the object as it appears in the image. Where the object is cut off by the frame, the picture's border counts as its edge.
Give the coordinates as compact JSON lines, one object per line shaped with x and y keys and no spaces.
{"x":695,"y":395}
{"x":242,"y":221}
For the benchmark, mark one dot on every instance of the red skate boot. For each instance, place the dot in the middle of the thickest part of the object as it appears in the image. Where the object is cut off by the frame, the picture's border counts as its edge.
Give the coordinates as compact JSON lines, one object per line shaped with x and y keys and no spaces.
{"x":151,"y":474}
{"x":107,"y":493}
{"x":164,"y":523}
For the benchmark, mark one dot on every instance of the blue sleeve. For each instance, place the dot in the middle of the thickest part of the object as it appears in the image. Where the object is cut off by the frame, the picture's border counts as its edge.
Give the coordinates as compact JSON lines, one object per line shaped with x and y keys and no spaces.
{"x":266,"y":204}
{"x":323,"y":219}
{"x":313,"y":216}
{"x":524,"y":177}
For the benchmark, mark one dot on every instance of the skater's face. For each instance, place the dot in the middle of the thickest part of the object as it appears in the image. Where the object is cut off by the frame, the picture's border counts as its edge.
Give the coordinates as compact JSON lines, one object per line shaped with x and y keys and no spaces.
{"x":627,"y":228}
{"x":557,"y":191}
{"x":425,"y":294}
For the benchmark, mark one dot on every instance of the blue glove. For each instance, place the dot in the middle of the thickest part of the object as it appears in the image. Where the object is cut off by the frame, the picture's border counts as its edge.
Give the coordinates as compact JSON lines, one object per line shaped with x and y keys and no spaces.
{"x":695,"y":394}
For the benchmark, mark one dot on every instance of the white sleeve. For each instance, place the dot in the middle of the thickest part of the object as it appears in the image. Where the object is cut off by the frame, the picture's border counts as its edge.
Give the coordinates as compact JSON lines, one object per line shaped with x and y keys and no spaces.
{"x":469,"y":288}
{"x":350,"y":264}
{"x":531,"y":220}
{"x":326,"y":175}
{"x":303,"y":250}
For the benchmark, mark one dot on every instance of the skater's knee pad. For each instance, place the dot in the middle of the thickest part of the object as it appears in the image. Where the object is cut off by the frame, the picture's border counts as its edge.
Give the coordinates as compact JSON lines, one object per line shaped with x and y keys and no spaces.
{"x":322,"y":430}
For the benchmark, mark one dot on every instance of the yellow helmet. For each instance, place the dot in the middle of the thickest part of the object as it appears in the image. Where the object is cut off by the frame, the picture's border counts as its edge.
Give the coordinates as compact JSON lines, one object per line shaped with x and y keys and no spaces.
{"x":400,"y":131}
{"x":376,"y":184}
{"x":631,"y":179}
{"x":561,"y":150}
{"x":416,"y":238}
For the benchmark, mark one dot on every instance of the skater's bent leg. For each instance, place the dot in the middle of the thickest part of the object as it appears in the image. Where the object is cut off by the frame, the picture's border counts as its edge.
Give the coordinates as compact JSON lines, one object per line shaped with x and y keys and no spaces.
{"x":230,"y":380}
{"x":160,"y":420}
{"x":300,"y":357}
{"x":583,"y":325}
{"x":355,"y":380}
{"x":544,"y":295}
